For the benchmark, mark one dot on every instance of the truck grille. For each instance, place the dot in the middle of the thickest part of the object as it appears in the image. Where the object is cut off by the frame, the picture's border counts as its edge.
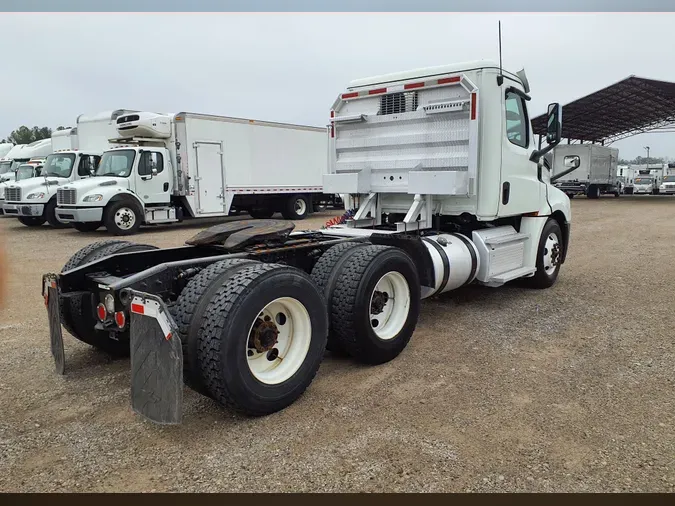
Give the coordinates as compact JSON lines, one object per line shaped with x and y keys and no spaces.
{"x":65,"y":196}
{"x":13,"y":194}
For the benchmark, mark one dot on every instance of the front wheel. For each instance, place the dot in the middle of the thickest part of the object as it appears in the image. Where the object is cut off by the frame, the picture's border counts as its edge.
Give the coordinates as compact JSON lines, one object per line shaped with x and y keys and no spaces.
{"x":87,"y":227}
{"x":549,"y":255}
{"x":50,"y":215}
{"x":32,"y":221}
{"x":122,"y":217}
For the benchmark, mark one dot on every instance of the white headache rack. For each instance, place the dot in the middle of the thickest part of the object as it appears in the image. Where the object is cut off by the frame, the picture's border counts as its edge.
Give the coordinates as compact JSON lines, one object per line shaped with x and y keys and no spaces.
{"x":416,"y":138}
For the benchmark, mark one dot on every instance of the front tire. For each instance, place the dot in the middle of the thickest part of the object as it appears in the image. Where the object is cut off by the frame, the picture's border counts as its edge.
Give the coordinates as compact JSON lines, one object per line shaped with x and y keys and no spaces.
{"x":122,"y":217}
{"x":549,"y":254}
{"x":296,"y":208}
{"x":32,"y":221}
{"x":262,"y":338}
{"x":376,"y":304}
{"x":87,"y":227}
{"x":50,"y":215}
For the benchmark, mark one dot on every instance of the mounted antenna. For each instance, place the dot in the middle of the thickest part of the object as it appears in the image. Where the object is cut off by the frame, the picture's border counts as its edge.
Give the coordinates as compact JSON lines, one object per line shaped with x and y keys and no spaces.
{"x":500,"y":77}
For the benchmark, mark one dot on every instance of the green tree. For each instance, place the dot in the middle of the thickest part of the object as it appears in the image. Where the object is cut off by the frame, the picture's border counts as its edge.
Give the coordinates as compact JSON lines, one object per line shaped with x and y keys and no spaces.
{"x":25,"y":135}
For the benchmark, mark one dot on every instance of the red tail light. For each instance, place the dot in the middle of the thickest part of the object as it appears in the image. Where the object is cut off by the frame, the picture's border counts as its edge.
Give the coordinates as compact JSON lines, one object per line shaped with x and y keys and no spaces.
{"x":120,"y":319}
{"x":101,"y":312}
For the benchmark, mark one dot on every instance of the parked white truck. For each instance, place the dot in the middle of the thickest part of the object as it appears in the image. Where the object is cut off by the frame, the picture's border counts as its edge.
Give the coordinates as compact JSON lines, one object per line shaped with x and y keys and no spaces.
{"x":33,"y":201}
{"x":167,"y":167}
{"x":20,"y":154}
{"x":667,"y":185}
{"x":451,"y":189}
{"x":597,"y":172}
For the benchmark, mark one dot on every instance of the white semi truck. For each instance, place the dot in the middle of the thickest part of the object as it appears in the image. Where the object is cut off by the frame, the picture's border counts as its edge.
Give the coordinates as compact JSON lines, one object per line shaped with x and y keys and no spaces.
{"x":648,"y":179}
{"x":78,"y":153}
{"x":167,"y":167}
{"x":597,"y":172}
{"x":451,"y":190}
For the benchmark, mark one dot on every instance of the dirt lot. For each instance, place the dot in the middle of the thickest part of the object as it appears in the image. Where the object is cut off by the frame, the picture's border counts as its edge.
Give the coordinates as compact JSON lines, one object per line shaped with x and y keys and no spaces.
{"x":568,"y":389}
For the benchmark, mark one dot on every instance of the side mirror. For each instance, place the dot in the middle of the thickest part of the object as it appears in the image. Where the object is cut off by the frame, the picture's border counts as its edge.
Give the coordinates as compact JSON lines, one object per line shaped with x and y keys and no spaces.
{"x":572,"y":162}
{"x":554,"y":124}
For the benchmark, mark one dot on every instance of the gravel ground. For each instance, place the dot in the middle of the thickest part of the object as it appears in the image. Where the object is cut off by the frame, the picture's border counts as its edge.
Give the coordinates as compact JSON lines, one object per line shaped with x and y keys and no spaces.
{"x":567,"y":389}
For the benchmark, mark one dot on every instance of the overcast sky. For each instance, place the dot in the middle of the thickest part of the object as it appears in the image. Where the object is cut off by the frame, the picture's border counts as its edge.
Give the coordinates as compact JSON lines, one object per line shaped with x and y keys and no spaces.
{"x":290,"y":67}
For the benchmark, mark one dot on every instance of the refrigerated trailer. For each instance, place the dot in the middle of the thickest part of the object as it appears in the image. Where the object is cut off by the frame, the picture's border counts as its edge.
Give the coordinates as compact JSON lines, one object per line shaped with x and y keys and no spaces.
{"x":169,"y":167}
{"x":451,"y":190}
{"x":597,"y":172}
{"x":76,"y":155}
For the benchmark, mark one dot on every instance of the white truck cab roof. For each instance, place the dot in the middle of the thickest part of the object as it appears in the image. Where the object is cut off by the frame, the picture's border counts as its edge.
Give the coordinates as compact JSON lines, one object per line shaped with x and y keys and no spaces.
{"x":426,"y":72}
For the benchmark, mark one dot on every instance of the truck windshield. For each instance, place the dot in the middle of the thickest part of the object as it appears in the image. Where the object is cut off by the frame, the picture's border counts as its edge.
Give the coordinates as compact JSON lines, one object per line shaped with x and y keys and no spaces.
{"x":669,"y":179}
{"x":60,"y":165}
{"x":642,"y":180}
{"x":116,"y":163}
{"x":25,"y":172}
{"x":4,"y":166}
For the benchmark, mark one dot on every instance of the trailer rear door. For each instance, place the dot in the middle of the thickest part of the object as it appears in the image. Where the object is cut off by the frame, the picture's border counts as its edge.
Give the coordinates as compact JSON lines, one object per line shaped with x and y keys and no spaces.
{"x":209,"y":177}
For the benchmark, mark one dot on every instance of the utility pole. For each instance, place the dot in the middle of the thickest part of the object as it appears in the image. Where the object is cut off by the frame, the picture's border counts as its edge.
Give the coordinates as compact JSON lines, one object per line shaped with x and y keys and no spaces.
{"x":647,"y":148}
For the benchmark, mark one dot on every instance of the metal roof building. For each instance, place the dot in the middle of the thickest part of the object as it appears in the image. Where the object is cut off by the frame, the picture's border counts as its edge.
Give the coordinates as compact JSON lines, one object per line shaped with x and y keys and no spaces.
{"x":632,"y":106}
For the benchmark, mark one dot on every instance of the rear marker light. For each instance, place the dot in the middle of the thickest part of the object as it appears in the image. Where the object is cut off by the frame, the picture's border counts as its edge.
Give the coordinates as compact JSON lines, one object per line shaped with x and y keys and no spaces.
{"x":350,"y":95}
{"x":448,"y":80}
{"x":101,"y":312}
{"x":412,"y":86}
{"x":120,"y":319}
{"x":377,"y":91}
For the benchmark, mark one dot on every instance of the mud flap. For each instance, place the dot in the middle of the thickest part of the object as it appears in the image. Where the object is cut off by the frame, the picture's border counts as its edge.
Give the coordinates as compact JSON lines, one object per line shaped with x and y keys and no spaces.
{"x":156,"y":360}
{"x":50,"y":291}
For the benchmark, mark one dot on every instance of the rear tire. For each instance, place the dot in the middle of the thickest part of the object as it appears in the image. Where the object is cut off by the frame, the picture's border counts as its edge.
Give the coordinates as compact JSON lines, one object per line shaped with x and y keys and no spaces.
{"x":376,"y":304}
{"x":549,"y":253}
{"x":261,"y":213}
{"x":50,"y":215}
{"x":240,"y":376}
{"x":188,"y":313}
{"x":325,"y":274}
{"x":77,"y":311}
{"x":593,"y":192}
{"x":296,"y":207}
{"x":32,"y":221}
{"x":122,"y":217}
{"x":87,"y":227}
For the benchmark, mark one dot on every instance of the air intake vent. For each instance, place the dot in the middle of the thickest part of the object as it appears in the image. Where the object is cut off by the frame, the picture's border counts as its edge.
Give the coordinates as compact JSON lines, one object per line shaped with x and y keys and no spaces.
{"x":396,"y":103}
{"x":130,"y":117}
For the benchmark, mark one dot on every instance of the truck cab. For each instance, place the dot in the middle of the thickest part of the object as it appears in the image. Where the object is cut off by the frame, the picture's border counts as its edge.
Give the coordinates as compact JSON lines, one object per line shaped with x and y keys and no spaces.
{"x":33,"y":200}
{"x":644,"y":185}
{"x":133,"y":184}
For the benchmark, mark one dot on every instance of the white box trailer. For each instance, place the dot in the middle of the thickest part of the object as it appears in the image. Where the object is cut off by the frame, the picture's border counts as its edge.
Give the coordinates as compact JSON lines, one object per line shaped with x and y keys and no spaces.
{"x":167,"y":167}
{"x":5,"y":148}
{"x":65,"y":139}
{"x":597,"y":172}
{"x":76,"y":154}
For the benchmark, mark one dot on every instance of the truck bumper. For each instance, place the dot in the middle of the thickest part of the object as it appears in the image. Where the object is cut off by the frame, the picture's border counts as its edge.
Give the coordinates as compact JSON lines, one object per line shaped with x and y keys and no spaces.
{"x":21,"y":209}
{"x":79,"y":214}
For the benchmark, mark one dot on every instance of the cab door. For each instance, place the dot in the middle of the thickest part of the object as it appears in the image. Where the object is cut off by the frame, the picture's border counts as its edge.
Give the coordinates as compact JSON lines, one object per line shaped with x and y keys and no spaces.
{"x":521,"y":189}
{"x":152,"y":177}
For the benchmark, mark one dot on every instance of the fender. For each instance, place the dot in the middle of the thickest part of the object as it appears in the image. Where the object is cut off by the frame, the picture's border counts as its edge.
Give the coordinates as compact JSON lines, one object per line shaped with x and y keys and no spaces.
{"x":127,"y":195}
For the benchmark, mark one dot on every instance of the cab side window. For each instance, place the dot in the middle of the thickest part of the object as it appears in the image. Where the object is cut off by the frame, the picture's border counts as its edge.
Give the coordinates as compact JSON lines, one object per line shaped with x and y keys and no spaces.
{"x":150,"y":160}
{"x":87,"y":164}
{"x":517,"y":130}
